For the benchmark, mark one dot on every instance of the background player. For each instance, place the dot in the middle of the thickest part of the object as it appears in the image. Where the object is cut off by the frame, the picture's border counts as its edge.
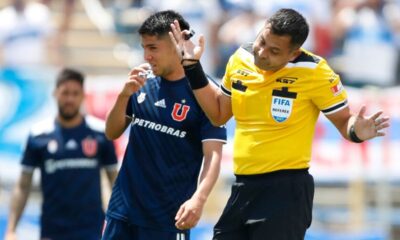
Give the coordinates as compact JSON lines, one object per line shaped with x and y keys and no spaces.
{"x":69,"y":151}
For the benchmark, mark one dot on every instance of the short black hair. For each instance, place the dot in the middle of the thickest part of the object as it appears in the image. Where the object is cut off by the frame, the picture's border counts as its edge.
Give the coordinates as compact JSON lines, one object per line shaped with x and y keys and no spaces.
{"x":289,"y":22}
{"x":159,"y":23}
{"x":68,"y":74}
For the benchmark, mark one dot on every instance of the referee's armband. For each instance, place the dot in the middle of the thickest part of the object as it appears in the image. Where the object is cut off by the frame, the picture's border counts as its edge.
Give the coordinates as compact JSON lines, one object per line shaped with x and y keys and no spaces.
{"x":353,"y":136}
{"x":195,"y":74}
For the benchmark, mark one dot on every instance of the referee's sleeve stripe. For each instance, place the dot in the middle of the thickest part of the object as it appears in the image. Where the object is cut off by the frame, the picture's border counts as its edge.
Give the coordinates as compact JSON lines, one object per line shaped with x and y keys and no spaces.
{"x":225,"y":91}
{"x":335,"y":108}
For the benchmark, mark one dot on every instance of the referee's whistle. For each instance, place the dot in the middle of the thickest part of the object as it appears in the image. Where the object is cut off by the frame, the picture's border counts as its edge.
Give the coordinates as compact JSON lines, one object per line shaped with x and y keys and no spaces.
{"x":189,"y":35}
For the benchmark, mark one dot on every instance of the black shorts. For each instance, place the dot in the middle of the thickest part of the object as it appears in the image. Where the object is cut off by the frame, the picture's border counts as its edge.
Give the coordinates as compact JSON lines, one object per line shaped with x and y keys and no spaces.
{"x":276,"y":206}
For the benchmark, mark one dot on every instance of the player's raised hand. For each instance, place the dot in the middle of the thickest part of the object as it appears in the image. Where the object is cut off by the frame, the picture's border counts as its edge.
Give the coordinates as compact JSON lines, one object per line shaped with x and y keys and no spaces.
{"x":370,"y":127}
{"x":137,"y":79}
{"x":184,"y":46}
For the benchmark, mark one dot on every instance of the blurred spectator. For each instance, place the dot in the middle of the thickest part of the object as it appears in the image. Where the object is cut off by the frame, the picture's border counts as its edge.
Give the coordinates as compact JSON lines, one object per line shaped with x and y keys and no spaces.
{"x":202,"y":17}
{"x":26,"y":35}
{"x":238,"y":25}
{"x":129,"y":15}
{"x":365,"y":41}
{"x":68,"y":9}
{"x":243,"y":18}
{"x":315,"y":11}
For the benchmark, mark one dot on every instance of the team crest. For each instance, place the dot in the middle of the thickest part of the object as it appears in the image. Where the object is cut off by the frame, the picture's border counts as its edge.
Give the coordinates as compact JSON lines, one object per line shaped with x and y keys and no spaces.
{"x":180,"y":112}
{"x":141,"y":97}
{"x":89,"y":146}
{"x":52,"y":146}
{"x":281,"y":108}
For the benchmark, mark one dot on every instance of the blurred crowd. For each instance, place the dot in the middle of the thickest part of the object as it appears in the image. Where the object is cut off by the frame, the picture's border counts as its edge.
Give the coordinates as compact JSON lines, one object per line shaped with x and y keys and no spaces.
{"x":360,"y":38}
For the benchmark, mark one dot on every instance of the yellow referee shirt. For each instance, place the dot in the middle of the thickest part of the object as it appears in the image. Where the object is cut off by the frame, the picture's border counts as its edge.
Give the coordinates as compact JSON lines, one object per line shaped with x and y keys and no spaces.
{"x":276,"y":113}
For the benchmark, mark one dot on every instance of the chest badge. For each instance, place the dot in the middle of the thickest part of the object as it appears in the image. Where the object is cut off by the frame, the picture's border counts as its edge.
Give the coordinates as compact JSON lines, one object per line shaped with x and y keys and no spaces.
{"x":179,"y":112}
{"x":281,"y":108}
{"x":89,"y":146}
{"x":282,"y":104}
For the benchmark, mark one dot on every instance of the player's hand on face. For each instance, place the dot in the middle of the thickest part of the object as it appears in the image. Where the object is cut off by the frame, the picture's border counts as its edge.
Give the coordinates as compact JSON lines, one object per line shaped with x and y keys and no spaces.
{"x":189,"y":214}
{"x":185,"y":47}
{"x":136,"y":80}
{"x":370,"y":127}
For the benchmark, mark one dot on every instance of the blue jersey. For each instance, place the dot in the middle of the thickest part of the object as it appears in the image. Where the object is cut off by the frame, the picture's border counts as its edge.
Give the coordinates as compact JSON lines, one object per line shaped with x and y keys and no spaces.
{"x":163,"y":156}
{"x":69,"y":160}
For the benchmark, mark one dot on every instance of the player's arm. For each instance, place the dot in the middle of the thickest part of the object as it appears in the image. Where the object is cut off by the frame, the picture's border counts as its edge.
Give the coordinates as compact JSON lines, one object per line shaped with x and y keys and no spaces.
{"x":214,"y":103}
{"x":111,"y":176}
{"x":117,"y":121}
{"x":190,"y":212}
{"x":18,"y":202}
{"x":358,"y":128}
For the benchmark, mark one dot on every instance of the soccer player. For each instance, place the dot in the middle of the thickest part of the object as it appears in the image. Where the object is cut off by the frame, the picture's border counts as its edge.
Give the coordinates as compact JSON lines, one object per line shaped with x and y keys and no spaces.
{"x":160,"y":191}
{"x":275,"y":90}
{"x":69,"y":150}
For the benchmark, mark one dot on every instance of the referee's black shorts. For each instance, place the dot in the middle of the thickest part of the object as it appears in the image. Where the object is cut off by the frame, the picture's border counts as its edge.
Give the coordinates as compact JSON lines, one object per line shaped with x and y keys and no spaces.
{"x":276,"y":206}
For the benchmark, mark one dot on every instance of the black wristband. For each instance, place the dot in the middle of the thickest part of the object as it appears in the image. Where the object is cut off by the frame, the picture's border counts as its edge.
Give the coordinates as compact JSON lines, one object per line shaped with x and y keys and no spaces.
{"x":195,"y":74}
{"x":353,"y":136}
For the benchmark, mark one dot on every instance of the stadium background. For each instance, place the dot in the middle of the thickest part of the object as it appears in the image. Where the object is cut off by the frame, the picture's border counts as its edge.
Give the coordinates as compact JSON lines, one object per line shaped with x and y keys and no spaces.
{"x":357,"y":186}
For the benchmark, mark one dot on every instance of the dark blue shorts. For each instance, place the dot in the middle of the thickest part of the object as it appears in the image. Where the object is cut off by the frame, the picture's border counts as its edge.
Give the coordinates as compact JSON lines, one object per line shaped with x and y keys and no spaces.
{"x":83,"y":234}
{"x":274,"y":206}
{"x":115,"y":229}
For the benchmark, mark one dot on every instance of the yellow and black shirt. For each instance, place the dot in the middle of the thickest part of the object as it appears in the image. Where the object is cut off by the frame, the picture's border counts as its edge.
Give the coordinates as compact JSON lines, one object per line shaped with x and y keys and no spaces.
{"x":276,"y":112}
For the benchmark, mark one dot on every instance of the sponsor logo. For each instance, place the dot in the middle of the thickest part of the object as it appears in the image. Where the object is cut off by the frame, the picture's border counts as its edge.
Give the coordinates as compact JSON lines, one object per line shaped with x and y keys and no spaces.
{"x":71,"y":145}
{"x":51,"y":165}
{"x":158,"y":127}
{"x":179,"y":112}
{"x":243,"y":72}
{"x":333,"y":77}
{"x":287,"y":80}
{"x":160,"y":103}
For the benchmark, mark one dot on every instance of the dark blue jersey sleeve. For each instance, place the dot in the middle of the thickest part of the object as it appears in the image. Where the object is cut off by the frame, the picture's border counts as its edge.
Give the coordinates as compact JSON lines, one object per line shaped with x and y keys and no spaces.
{"x":210,"y":132}
{"x":108,"y":155}
{"x":31,"y":155}
{"x":129,"y":110}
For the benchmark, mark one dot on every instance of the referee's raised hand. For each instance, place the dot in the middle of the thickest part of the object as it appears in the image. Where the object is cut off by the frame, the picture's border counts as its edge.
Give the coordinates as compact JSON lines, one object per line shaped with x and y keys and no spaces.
{"x":370,"y":127}
{"x":185,"y":47}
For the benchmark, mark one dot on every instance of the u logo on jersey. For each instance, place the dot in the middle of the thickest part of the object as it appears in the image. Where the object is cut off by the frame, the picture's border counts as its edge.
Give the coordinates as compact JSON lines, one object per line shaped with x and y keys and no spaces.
{"x":89,"y":146}
{"x":180,"y":112}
